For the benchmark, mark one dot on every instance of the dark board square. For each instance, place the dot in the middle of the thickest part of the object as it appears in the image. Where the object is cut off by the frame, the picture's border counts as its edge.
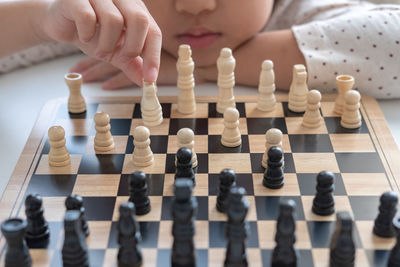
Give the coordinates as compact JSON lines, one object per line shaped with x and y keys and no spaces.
{"x":51,"y":185}
{"x":170,"y":163}
{"x":378,"y":258}
{"x":101,"y":164}
{"x":302,"y":143}
{"x":215,"y":146}
{"x":308,"y":181}
{"x":158,"y":144}
{"x":359,"y":162}
{"x":148,"y":230}
{"x":166,"y":109}
{"x":202,"y":208}
{"x":289,"y":113}
{"x":155,"y":185}
{"x":217,"y":235}
{"x":96,"y":257}
{"x":304,"y":260}
{"x":63,"y":113}
{"x":256,"y":166}
{"x":242,"y":180}
{"x":262,"y":125}
{"x":199,"y":126}
{"x":118,"y":127}
{"x":364,"y":207}
{"x":99,"y":208}
{"x":267,"y":207}
{"x":333,"y":126}
{"x":202,"y":163}
{"x":75,"y":145}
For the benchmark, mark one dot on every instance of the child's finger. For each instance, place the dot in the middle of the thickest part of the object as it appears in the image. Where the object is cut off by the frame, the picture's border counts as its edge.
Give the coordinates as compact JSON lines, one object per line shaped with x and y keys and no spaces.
{"x":99,"y":72}
{"x":85,"y":19}
{"x":116,"y":82}
{"x":151,"y":55}
{"x":132,"y":67}
{"x":84,"y":64}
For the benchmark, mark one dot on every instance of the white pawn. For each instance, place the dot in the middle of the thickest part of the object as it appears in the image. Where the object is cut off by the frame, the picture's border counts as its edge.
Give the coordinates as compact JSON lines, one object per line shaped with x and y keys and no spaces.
{"x":344,"y":83}
{"x":76,"y":102}
{"x":58,"y":155}
{"x":226,"y":80}
{"x":351,"y":117}
{"x":142,"y":155}
{"x":150,"y":106}
{"x":298,"y":89}
{"x":266,"y":87}
{"x":273,"y":137}
{"x":186,"y":139}
{"x":312,"y":117}
{"x":231,"y":134}
{"x":103,"y":141}
{"x":185,"y":68}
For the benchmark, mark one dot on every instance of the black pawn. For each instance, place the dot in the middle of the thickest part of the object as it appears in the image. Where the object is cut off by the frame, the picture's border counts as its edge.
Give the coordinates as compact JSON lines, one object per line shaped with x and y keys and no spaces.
{"x":138,"y":192}
{"x":285,"y":254}
{"x":273,"y":175}
{"x":237,"y":228}
{"x":37,"y":233}
{"x":17,"y":254}
{"x":394,"y":258}
{"x":129,"y":236}
{"x":324,"y":203}
{"x":383,"y":226}
{"x":75,"y":202}
{"x":342,"y":248}
{"x":227,"y":179}
{"x":184,"y":164}
{"x":74,"y":251}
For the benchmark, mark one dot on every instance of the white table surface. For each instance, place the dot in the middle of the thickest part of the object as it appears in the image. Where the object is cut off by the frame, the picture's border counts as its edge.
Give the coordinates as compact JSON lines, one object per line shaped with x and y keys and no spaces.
{"x":24,"y":92}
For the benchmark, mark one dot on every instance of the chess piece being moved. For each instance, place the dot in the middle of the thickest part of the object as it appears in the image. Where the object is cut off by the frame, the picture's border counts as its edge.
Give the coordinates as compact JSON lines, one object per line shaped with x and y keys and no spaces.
{"x":231,"y":134}
{"x":129,"y":254}
{"x":17,"y":253}
{"x":273,"y":175}
{"x":298,"y":89}
{"x":344,"y":83}
{"x":394,"y":257}
{"x":75,"y":202}
{"x":342,"y":248}
{"x":150,"y":106}
{"x":76,"y":102}
{"x":312,"y":117}
{"x":324,"y":203}
{"x":227,"y":179}
{"x":37,"y":233}
{"x":58,"y":155}
{"x":273,"y":137}
{"x":351,"y":117}
{"x":138,"y":192}
{"x":184,"y":168}
{"x":266,"y":87}
{"x":383,"y":225}
{"x":226,"y":80}
{"x":237,"y":228}
{"x":184,"y":211}
{"x":185,"y":68}
{"x":74,"y":251}
{"x":142,"y":155}
{"x":103,"y":141}
{"x":186,"y":139}
{"x":285,"y":254}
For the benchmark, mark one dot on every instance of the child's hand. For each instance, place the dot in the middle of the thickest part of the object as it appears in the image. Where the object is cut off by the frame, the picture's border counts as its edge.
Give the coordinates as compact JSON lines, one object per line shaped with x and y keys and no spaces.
{"x":121,"y":32}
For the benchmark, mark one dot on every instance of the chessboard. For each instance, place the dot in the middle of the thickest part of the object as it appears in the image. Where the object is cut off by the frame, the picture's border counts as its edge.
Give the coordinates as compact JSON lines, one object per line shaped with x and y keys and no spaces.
{"x":365,"y":162}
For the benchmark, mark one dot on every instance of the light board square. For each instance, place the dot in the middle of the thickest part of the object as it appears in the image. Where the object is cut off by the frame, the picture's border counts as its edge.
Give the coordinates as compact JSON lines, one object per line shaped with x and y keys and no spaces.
{"x":201,"y":111}
{"x":362,"y":184}
{"x":158,"y":165}
{"x":290,"y":188}
{"x":294,"y":126}
{"x":117,"y":111}
{"x":240,"y":163}
{"x":161,"y":129}
{"x":315,"y":162}
{"x":45,"y":168}
{"x":120,"y":142}
{"x":257,"y":143}
{"x":97,"y":185}
{"x":200,"y":144}
{"x":253,"y":112}
{"x":216,"y":126}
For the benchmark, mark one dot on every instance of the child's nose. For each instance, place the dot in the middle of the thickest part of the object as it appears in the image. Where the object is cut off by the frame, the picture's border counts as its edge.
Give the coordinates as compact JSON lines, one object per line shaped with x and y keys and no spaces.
{"x":195,"y":7}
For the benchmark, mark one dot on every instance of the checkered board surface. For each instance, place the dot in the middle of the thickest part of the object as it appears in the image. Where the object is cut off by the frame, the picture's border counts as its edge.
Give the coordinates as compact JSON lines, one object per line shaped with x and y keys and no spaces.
{"x":355,"y":157}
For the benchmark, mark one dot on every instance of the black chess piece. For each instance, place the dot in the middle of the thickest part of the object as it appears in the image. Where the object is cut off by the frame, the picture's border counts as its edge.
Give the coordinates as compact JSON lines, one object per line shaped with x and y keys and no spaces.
{"x":324,"y":203}
{"x":74,"y":251}
{"x":383,"y":225}
{"x":37,"y":233}
{"x":237,"y":228}
{"x":184,"y":164}
{"x":75,"y":202}
{"x":285,"y":254}
{"x":227,"y":179}
{"x":138,"y":192}
{"x":17,"y":254}
{"x":394,"y":258}
{"x":184,"y":210}
{"x":273,"y":175}
{"x":129,"y":237}
{"x":342,"y":248}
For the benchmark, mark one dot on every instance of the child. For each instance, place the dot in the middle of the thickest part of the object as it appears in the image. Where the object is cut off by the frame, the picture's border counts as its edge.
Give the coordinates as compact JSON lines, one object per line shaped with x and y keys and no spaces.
{"x":329,"y":37}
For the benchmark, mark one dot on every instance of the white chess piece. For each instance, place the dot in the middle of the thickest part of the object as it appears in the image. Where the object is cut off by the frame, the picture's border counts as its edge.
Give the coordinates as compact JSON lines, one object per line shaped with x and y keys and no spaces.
{"x":312,"y":117}
{"x":58,"y":154}
{"x":76,"y":102}
{"x":185,"y":68}
{"x":186,"y":139}
{"x":226,"y":80}
{"x":231,"y":134}
{"x":266,"y":87}
{"x":273,"y":137}
{"x":351,"y":117}
{"x":103,"y":141}
{"x":298,"y":89}
{"x":150,"y":106}
{"x":142,"y":155}
{"x":344,"y":83}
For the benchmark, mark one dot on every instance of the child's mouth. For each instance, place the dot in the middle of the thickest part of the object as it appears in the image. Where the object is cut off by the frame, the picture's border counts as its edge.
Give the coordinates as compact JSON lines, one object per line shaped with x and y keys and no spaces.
{"x":198,"y":38}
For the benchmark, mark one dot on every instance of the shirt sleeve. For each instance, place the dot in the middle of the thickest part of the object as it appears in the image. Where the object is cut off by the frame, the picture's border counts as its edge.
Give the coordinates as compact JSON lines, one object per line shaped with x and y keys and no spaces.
{"x":364,"y":43}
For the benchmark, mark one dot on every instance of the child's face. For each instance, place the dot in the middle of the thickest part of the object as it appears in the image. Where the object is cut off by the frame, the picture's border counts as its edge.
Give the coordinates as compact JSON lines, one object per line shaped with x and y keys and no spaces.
{"x":208,"y":25}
